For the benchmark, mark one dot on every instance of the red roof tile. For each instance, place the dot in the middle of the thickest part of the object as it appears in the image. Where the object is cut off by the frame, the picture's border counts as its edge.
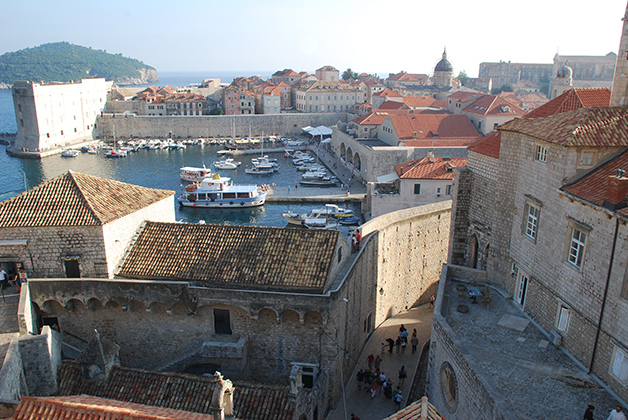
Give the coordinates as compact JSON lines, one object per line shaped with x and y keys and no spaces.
{"x":585,"y":127}
{"x":424,"y":126}
{"x":420,"y":101}
{"x":233,"y":256}
{"x":392,"y":105}
{"x":488,"y":145}
{"x":592,"y":186}
{"x":94,"y":408}
{"x":176,"y":390}
{"x":572,"y":100}
{"x":493,"y":105}
{"x":438,"y":143}
{"x":387,"y":92}
{"x":440,"y":168}
{"x":76,"y":199}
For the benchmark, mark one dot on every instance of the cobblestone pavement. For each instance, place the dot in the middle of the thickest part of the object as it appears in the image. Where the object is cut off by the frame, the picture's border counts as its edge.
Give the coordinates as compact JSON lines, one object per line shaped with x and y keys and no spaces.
{"x":359,"y":402}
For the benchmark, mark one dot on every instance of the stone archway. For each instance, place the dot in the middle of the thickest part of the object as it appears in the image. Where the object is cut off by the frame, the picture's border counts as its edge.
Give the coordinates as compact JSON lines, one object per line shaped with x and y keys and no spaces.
{"x":349,"y":156}
{"x":357,"y":162}
{"x":343,"y":151}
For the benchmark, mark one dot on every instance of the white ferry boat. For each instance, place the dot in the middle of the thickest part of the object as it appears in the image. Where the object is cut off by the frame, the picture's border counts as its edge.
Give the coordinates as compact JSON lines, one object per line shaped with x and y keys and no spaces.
{"x":192,"y":174}
{"x":217,"y":192}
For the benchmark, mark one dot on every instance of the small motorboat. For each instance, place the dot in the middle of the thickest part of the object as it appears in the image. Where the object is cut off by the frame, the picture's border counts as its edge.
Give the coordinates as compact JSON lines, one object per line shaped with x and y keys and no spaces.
{"x":227,"y":164}
{"x":321,"y":223}
{"x":349,"y":221}
{"x":70,"y":153}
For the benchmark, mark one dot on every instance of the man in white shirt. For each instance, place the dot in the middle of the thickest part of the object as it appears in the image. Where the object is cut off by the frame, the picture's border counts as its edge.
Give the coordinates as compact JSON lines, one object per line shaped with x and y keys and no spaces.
{"x":3,"y":275}
{"x":617,"y":414}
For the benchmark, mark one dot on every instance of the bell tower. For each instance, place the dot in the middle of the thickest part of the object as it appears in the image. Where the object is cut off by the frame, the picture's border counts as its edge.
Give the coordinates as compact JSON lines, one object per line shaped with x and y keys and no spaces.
{"x":619,"y":94}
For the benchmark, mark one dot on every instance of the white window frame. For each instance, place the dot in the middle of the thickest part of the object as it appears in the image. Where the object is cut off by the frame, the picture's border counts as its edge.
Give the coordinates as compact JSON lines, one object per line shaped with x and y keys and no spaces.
{"x":564,"y":316}
{"x":531,"y":222}
{"x":448,"y":189}
{"x":576,"y":246}
{"x":619,"y":365}
{"x":541,"y":153}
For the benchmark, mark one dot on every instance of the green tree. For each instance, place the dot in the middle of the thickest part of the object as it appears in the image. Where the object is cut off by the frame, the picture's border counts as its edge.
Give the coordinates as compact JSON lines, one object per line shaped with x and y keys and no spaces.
{"x":462,"y":76}
{"x":216,"y":111}
{"x":349,"y":75}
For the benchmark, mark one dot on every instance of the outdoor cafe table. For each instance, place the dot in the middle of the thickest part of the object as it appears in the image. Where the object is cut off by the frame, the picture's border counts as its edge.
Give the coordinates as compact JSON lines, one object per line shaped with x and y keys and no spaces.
{"x":474,"y":292}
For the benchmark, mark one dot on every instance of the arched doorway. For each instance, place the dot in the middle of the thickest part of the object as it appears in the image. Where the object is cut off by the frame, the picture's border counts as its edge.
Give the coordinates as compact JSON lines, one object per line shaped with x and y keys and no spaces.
{"x":357,"y":163}
{"x":349,"y":156}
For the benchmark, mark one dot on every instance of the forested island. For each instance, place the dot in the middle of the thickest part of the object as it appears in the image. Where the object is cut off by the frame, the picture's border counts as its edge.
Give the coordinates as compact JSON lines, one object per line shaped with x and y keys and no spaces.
{"x":62,"y":62}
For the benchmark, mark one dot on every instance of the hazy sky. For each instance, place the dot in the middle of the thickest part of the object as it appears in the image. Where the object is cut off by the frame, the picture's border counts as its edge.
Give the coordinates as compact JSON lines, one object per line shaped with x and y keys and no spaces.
{"x":366,"y":36}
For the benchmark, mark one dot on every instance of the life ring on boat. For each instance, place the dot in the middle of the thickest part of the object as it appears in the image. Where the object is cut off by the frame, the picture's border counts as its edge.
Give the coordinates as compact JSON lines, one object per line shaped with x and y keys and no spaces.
{"x":231,"y":203}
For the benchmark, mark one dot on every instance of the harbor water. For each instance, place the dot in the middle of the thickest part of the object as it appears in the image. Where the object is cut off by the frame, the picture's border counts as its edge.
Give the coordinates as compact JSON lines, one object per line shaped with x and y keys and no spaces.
{"x":160,"y":169}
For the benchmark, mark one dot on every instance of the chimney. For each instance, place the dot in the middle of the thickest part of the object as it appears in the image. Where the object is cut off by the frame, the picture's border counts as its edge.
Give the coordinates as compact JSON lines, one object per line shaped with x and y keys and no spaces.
{"x":431,"y":156}
{"x":616,"y":191}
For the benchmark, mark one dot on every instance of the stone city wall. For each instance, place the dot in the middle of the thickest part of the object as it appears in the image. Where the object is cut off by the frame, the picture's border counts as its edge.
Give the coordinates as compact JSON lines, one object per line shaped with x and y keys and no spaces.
{"x":41,"y":357}
{"x":12,"y":379}
{"x":212,"y":126}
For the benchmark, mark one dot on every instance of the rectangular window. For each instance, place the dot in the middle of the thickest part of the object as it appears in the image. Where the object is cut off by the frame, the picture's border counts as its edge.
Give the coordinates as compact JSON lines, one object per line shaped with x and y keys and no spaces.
{"x":222,"y":322}
{"x":417,"y":188}
{"x":448,"y":189}
{"x":587,"y":159}
{"x":619,"y":365}
{"x":541,"y":154}
{"x":563,"y":318}
{"x":576,"y":247}
{"x":531,"y":224}
{"x":438,"y":191}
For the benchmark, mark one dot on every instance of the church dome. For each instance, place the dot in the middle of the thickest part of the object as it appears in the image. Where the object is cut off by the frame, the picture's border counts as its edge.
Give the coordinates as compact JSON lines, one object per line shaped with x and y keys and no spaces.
{"x":444,"y":64}
{"x":565,"y":72}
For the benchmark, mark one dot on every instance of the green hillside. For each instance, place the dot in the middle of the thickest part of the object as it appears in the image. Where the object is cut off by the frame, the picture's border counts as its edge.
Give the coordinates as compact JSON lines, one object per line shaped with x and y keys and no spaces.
{"x":62,"y":62}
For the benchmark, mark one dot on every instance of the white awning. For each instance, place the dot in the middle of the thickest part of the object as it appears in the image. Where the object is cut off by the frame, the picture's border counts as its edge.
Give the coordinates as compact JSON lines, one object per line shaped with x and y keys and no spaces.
{"x":387,"y":178}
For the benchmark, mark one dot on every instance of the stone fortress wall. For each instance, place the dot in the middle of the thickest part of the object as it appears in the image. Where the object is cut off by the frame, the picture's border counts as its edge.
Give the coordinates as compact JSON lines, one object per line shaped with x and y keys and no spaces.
{"x":130,"y":125}
{"x":160,"y":324}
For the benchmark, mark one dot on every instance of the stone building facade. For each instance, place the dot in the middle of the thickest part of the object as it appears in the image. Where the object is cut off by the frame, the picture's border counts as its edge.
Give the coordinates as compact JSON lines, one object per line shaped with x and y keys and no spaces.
{"x":89,"y":238}
{"x":561,"y":255}
{"x":327,"y":97}
{"x":53,"y":115}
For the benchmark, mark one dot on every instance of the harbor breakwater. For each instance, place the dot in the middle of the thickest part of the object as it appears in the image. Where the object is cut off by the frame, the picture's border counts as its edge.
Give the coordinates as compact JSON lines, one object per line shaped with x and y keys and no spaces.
{"x":131,"y":125}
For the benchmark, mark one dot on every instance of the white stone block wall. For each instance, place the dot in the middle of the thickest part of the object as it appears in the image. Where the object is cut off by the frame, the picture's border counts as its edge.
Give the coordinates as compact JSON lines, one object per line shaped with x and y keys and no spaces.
{"x":119,"y":233}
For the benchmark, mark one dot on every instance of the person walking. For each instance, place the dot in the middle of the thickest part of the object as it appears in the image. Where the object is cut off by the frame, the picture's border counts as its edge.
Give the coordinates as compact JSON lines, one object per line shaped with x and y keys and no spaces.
{"x":402,"y":375}
{"x":588,"y":415}
{"x":617,"y":414}
{"x":391,"y":344}
{"x":360,"y":379}
{"x":398,"y":344}
{"x":398,"y":397}
{"x":415,"y":342}
{"x":383,"y":348}
{"x":369,"y":360}
{"x":377,"y":363}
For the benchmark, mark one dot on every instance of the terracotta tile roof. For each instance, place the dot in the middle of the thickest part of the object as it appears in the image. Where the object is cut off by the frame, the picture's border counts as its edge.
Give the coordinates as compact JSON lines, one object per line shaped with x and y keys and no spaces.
{"x":493,"y":105}
{"x":593,"y":185}
{"x":419,"y":101}
{"x":286,"y":72}
{"x":93,"y":408}
{"x":407,"y":77}
{"x":572,"y":100}
{"x":374,"y":118}
{"x":387,"y":92}
{"x":418,"y":410}
{"x":327,"y":68}
{"x":76,"y":199}
{"x":585,"y":127}
{"x":461,"y":96}
{"x":176,"y":390}
{"x":233,"y":256}
{"x":328,"y":86}
{"x":283,"y":84}
{"x":426,"y":125}
{"x":488,"y":145}
{"x":393,"y":105}
{"x":440,"y":168}
{"x":438,"y":143}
